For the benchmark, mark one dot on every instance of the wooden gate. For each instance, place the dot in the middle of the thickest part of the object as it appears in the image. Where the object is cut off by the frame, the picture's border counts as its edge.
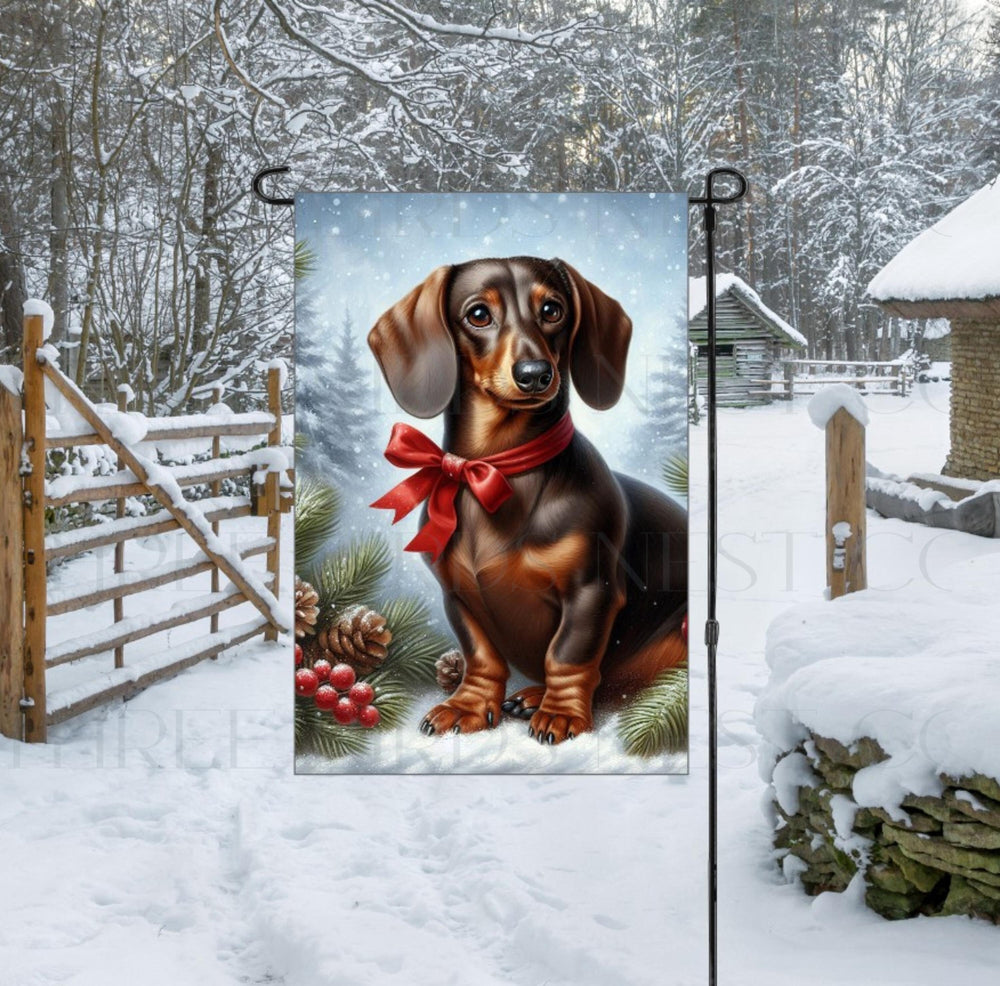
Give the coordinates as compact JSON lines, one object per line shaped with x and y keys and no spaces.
{"x":27,"y":708}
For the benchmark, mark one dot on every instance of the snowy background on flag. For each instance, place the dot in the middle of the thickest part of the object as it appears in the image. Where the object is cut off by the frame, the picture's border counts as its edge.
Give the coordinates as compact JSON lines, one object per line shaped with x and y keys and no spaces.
{"x":372,"y":249}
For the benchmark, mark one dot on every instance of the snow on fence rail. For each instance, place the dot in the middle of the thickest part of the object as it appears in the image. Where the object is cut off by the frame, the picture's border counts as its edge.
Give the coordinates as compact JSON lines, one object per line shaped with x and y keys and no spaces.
{"x":806,"y":376}
{"x":26,"y":708}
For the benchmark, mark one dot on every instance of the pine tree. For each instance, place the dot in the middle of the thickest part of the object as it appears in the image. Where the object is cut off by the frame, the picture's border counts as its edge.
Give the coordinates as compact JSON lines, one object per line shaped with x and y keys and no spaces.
{"x":662,"y":433}
{"x":352,"y":407}
{"x":335,"y":404}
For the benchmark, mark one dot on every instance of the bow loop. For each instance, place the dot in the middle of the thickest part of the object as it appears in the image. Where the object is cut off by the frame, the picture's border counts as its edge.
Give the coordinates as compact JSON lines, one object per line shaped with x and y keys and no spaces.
{"x":440,"y":475}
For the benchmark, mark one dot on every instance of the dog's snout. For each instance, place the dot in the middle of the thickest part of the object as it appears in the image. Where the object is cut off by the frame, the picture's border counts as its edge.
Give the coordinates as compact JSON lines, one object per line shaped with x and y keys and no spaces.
{"x":532,"y":375}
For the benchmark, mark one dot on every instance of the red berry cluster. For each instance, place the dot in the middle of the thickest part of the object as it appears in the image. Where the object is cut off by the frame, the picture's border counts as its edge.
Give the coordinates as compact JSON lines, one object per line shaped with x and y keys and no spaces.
{"x":334,"y":689}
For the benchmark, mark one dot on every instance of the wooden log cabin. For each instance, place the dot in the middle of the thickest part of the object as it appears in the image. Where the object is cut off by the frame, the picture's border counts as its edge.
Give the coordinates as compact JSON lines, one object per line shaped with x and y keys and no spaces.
{"x":750,"y":340}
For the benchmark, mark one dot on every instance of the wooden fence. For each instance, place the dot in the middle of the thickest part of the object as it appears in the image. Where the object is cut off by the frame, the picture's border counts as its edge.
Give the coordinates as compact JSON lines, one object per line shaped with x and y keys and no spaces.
{"x":26,"y":710}
{"x":807,"y":376}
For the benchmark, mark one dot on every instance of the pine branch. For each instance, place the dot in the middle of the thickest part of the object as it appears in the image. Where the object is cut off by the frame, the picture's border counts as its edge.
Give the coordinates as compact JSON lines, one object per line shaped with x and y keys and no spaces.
{"x":675,"y":474}
{"x":351,"y":576}
{"x":392,"y":701}
{"x":304,"y":260}
{"x":415,"y":646}
{"x":317,"y":515}
{"x":657,"y":721}
{"x":317,"y":732}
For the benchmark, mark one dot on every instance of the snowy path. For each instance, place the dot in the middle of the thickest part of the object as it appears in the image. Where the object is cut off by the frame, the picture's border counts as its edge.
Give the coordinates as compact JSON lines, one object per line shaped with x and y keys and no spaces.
{"x":167,"y":842}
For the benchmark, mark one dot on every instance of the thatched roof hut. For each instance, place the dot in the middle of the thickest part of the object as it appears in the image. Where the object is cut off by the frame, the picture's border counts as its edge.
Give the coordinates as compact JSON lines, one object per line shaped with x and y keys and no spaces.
{"x":952,"y":271}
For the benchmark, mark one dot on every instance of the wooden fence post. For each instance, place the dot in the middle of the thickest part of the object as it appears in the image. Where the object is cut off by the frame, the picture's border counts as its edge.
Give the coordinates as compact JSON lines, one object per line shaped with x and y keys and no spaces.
{"x":33,"y":517}
{"x":272,"y":490}
{"x":11,"y":568}
{"x":789,"y":381}
{"x":119,"y":602}
{"x":216,"y":489}
{"x":846,"y":525}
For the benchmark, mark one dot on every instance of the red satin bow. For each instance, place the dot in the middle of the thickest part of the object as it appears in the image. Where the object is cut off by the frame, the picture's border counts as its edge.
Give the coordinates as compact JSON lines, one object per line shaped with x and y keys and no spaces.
{"x":442,"y":473}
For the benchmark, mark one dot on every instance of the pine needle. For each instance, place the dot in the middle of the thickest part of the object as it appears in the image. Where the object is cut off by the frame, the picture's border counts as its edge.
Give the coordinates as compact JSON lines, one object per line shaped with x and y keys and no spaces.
{"x":415,"y":646}
{"x":675,"y":474}
{"x":317,"y":732}
{"x":392,"y":702}
{"x":657,"y":721}
{"x":317,"y":515}
{"x":304,"y":260}
{"x":351,"y":576}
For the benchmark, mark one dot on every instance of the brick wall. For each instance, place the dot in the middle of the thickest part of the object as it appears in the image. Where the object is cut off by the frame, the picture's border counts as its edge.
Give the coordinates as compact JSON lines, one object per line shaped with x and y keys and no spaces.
{"x":975,"y":400}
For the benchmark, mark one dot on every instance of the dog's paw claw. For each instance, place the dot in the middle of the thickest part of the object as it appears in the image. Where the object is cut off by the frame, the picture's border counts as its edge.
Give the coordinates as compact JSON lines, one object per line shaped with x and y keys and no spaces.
{"x":555,"y":727}
{"x":452,"y":717}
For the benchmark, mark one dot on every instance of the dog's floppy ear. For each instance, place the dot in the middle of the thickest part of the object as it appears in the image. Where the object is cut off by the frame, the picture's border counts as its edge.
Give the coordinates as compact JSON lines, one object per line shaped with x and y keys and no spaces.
{"x":415,"y":350}
{"x":599,"y":345}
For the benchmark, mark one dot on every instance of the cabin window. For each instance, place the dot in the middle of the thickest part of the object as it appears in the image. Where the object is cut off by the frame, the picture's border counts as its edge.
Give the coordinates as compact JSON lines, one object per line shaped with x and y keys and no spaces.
{"x":728,"y":350}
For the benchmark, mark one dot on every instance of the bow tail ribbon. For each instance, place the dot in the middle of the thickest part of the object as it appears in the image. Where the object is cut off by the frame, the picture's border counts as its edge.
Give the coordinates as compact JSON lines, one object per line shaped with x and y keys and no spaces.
{"x":402,"y":498}
{"x":441,"y":518}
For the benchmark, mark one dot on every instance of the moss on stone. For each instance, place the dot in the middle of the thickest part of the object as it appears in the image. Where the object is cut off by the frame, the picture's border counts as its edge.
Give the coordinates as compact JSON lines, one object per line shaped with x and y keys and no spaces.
{"x":972,"y":834}
{"x":974,"y":782}
{"x":964,"y":898}
{"x":893,"y":906}
{"x":953,"y":859}
{"x":919,"y":822}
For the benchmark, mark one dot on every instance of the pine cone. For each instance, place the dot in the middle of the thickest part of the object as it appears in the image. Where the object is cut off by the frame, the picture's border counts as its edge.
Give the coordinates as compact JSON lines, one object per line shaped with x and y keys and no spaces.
{"x":359,"y":638}
{"x":312,"y":651}
{"x":306,"y":608}
{"x":450,"y":668}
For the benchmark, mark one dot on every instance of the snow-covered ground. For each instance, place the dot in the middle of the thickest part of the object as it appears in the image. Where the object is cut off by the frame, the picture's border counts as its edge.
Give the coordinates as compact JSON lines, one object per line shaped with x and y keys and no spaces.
{"x":166,"y":841}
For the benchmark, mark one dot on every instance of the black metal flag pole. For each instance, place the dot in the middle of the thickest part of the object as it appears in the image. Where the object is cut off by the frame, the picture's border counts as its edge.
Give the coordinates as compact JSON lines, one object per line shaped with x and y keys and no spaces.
{"x":709,"y":201}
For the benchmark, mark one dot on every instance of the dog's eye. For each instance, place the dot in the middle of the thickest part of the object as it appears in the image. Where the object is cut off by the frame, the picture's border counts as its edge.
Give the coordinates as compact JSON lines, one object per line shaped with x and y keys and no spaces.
{"x":479,"y":316}
{"x":551,"y":311}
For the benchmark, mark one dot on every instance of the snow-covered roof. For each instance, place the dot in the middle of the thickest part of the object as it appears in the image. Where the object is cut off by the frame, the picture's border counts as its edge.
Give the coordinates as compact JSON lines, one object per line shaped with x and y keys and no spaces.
{"x":957,"y":258}
{"x":698,"y":302}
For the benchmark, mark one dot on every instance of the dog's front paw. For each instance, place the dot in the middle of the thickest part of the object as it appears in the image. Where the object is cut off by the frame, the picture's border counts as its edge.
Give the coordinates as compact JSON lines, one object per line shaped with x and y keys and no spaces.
{"x":462,"y":716}
{"x":524,"y":704}
{"x":551,"y":724}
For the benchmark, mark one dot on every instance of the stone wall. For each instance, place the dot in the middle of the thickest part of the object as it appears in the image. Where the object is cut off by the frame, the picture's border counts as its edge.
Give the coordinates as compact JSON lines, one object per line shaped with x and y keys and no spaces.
{"x":975,"y":400}
{"x":942,"y":858}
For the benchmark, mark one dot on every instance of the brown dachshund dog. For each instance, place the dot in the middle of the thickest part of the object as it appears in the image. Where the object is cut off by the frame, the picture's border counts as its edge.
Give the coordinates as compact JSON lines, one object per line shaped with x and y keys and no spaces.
{"x":579,"y":579}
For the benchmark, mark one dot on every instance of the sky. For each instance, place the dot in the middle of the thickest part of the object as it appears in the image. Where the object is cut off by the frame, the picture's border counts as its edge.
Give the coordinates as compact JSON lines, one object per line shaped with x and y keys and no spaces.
{"x":373,"y":248}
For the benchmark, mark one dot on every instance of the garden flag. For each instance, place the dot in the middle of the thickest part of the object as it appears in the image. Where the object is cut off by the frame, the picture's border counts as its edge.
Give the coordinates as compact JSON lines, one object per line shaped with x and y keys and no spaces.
{"x":491,"y":522}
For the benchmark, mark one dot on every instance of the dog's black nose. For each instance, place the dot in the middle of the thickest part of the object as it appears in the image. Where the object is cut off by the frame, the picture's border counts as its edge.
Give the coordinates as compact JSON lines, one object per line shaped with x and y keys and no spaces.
{"x":532,"y":375}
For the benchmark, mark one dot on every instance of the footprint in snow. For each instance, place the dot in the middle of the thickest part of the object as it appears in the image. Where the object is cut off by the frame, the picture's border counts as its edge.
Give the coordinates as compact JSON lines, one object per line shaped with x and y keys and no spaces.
{"x":611,"y":923}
